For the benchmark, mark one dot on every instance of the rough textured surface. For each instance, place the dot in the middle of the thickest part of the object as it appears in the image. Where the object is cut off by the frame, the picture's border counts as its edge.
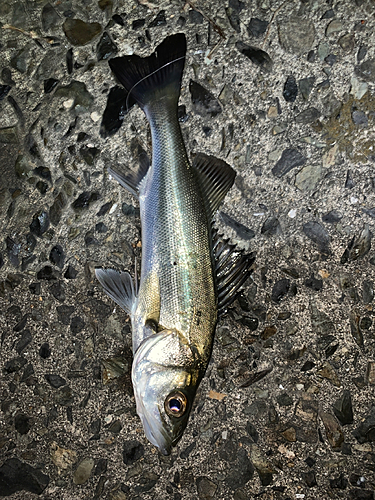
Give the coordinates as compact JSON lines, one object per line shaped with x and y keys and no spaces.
{"x":287,"y":97}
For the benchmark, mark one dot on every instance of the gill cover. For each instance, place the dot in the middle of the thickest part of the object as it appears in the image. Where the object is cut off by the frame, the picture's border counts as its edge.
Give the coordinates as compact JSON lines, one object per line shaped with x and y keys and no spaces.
{"x":165,"y":376}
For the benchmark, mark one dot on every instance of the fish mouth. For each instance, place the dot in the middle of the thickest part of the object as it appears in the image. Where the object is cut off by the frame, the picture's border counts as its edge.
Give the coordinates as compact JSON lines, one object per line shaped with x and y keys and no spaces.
{"x":156,"y":436}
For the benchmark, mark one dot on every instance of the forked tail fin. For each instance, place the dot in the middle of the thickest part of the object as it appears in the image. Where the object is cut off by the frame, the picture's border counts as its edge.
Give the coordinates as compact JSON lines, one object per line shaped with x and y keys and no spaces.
{"x":148,"y":79}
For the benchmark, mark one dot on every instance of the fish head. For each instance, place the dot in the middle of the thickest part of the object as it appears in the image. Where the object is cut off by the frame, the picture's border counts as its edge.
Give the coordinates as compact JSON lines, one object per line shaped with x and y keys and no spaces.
{"x":165,"y":376}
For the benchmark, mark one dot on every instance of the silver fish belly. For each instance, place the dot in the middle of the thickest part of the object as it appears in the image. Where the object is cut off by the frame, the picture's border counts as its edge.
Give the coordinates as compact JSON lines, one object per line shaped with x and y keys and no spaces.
{"x":188,"y":273}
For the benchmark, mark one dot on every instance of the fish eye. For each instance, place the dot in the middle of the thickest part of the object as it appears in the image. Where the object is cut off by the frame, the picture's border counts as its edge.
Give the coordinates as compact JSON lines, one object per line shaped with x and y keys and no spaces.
{"x":175,"y":404}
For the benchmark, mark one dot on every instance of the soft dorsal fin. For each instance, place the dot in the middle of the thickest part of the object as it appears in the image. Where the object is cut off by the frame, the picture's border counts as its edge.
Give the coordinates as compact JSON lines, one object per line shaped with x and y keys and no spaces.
{"x":233,"y":267}
{"x":131,"y":180}
{"x":119,"y":286}
{"x":216,"y":178}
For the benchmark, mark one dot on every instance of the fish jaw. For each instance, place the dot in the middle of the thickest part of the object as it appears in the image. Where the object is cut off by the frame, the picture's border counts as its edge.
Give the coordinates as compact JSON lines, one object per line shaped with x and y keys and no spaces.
{"x":164,"y":364}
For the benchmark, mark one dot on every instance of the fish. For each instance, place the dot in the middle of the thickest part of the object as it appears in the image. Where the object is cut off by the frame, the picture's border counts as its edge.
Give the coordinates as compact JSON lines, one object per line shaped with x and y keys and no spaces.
{"x":189,"y":273}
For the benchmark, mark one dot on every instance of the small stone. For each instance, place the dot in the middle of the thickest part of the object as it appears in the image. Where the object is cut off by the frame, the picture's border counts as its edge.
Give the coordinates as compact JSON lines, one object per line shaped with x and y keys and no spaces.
{"x":257,"y":56}
{"x":241,"y":471}
{"x":13,"y":250}
{"x":50,"y":17}
{"x":331,"y":59}
{"x":24,"y":341}
{"x":262,"y":465}
{"x":340,"y":483}
{"x":370,"y":373}
{"x":61,"y":457}
{"x":358,"y":247}
{"x":106,"y":47}
{"x":241,"y":230}
{"x":45,"y":351}
{"x":334,"y":432}
{"x":334,"y":26}
{"x":133,"y":450}
{"x":79,"y":32}
{"x":271,"y":227}
{"x":332,"y":217}
{"x":318,"y":235}
{"x":366,"y":70}
{"x":161,"y":21}
{"x":290,"y":158}
{"x":290,"y":434}
{"x":290,"y":91}
{"x":309,"y":115}
{"x":20,"y":476}
{"x":257,"y":27}
{"x":54,"y":380}
{"x":83,"y":471}
{"x":15,"y":364}
{"x":22,"y":424}
{"x":365,"y":432}
{"x":204,"y":102}
{"x":314,"y":283}
{"x":328,"y":372}
{"x":57,"y":256}
{"x":343,"y":409}
{"x":40,"y":223}
{"x":347,"y":42}
{"x":206,"y":488}
{"x":309,"y":478}
{"x":360,"y":118}
{"x":284,"y":399}
{"x":82,"y":99}
{"x":367,"y":291}
{"x":57,"y":290}
{"x":233,"y":13}
{"x":77,"y":324}
{"x":305,"y":86}
{"x":308,"y":177}
{"x":296,"y":35}
{"x":70,"y":273}
{"x":280,"y":289}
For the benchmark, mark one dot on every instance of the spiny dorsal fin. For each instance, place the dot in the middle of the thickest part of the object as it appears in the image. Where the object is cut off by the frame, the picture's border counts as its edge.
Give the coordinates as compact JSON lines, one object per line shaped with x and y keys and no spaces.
{"x":131,"y":180}
{"x":119,"y":286}
{"x":233,"y":267}
{"x":216,"y":178}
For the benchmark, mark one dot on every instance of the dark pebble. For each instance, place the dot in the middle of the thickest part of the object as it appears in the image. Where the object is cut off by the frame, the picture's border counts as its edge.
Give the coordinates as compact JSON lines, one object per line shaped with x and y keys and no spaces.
{"x":49,"y":85}
{"x":159,"y":20}
{"x":284,"y":399}
{"x":79,"y":32}
{"x":233,"y":13}
{"x":257,"y":27}
{"x":251,"y":323}
{"x":13,"y":250}
{"x":27,"y":372}
{"x":311,"y":56}
{"x":360,"y":118}
{"x":22,"y":423}
{"x":343,"y":409}
{"x":4,"y":90}
{"x":45,"y":351}
{"x":77,"y":324}
{"x":138,"y":23}
{"x":133,"y":450}
{"x":46,"y":273}
{"x":365,"y":323}
{"x":205,"y":104}
{"x":365,"y":432}
{"x":241,"y":230}
{"x":106,"y":47}
{"x":358,"y":247}
{"x":54,"y":380}
{"x":118,"y":19}
{"x":310,"y":461}
{"x":70,"y":273}
{"x":318,"y":235}
{"x":15,"y":364}
{"x":257,"y":56}
{"x":314,"y":283}
{"x":101,"y":228}
{"x":115,"y":427}
{"x":305,"y":86}
{"x":340,"y":482}
{"x":290,"y":91}
{"x":84,"y":199}
{"x":24,"y":341}
{"x":331,"y":59}
{"x":104,"y":209}
{"x":118,"y":105}
{"x":69,"y":61}
{"x":50,"y":17}
{"x":367,"y":292}
{"x":280,"y":289}
{"x":329,"y":14}
{"x":362,"y":52}
{"x":186,"y":452}
{"x":57,"y":256}
{"x":40,"y":223}
{"x":369,"y":211}
{"x":90,"y":239}
{"x":290,"y":158}
{"x":20,"y":476}
{"x":332,"y":217}
{"x":309,"y":478}
{"x":34,"y":288}
{"x":57,"y":290}
{"x":89,"y":155}
{"x":42,"y":187}
{"x":55,"y":211}
{"x":101,"y":467}
{"x":309,"y":115}
{"x":195,"y":17}
{"x":359,"y":494}
{"x":1,"y":260}
{"x":6,"y":76}
{"x":241,"y":472}
{"x":130,"y":210}
{"x":271,"y":227}
{"x":366,"y":70}
{"x":21,"y":324}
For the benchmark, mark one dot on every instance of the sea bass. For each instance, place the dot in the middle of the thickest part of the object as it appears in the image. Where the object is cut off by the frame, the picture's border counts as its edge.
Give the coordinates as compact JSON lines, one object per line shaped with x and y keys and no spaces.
{"x":189,"y":274}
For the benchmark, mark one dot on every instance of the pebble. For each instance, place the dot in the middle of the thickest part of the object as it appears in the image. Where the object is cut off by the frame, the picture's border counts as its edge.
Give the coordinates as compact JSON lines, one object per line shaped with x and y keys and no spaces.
{"x":307,"y":116}
{"x":45,"y":351}
{"x":106,"y":47}
{"x":318,"y":234}
{"x":54,"y":380}
{"x":63,"y":458}
{"x":77,"y":324}
{"x":57,"y":256}
{"x":206,"y":488}
{"x":358,"y":247}
{"x":271,"y":227}
{"x":327,"y":371}
{"x":83,"y":471}
{"x":24,"y":341}
{"x":118,"y":104}
{"x":305,"y":86}
{"x":20,"y":476}
{"x":50,"y":17}
{"x":343,"y":408}
{"x":290,"y":158}
{"x":308,"y":177}
{"x":334,"y":432}
{"x":370,"y":373}
{"x":132,"y":451}
{"x":257,"y":56}
{"x":241,"y":230}
{"x":241,"y":472}
{"x":334,"y":27}
{"x":366,"y":70}
{"x":280,"y":289}
{"x":82,"y":99}
{"x":161,"y":21}
{"x":205,"y":104}
{"x":296,"y":35}
{"x":233,"y":13}
{"x":79,"y":32}
{"x":290,"y":91}
{"x":257,"y":27}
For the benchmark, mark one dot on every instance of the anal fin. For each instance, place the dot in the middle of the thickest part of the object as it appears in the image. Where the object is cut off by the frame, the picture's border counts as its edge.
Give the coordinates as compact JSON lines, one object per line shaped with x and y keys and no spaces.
{"x":119,"y":286}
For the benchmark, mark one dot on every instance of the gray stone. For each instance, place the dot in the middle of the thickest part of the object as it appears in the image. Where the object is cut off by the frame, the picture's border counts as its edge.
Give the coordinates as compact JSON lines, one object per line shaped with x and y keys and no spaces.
{"x":366,"y":70}
{"x":307,"y":116}
{"x":308,"y":177}
{"x":206,"y":488}
{"x":83,"y":471}
{"x":291,"y":158}
{"x":296,"y":35}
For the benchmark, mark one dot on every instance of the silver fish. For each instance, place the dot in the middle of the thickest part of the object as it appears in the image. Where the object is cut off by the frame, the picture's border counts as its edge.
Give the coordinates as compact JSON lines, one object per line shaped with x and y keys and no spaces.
{"x":189,"y":274}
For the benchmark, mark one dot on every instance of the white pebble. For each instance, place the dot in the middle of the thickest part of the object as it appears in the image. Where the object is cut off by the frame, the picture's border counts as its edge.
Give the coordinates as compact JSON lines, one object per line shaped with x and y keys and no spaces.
{"x":95,"y":116}
{"x":292,"y":213}
{"x":353,"y":200}
{"x":68,"y":104}
{"x":113,"y":208}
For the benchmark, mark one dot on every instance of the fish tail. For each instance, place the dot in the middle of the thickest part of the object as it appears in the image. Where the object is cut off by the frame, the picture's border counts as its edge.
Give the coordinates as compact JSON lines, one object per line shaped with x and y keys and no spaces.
{"x":148,"y":79}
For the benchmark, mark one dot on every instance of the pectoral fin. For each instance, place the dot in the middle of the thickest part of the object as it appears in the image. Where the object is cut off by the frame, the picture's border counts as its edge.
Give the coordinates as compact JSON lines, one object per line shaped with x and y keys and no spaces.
{"x":131,"y":180}
{"x":119,"y":286}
